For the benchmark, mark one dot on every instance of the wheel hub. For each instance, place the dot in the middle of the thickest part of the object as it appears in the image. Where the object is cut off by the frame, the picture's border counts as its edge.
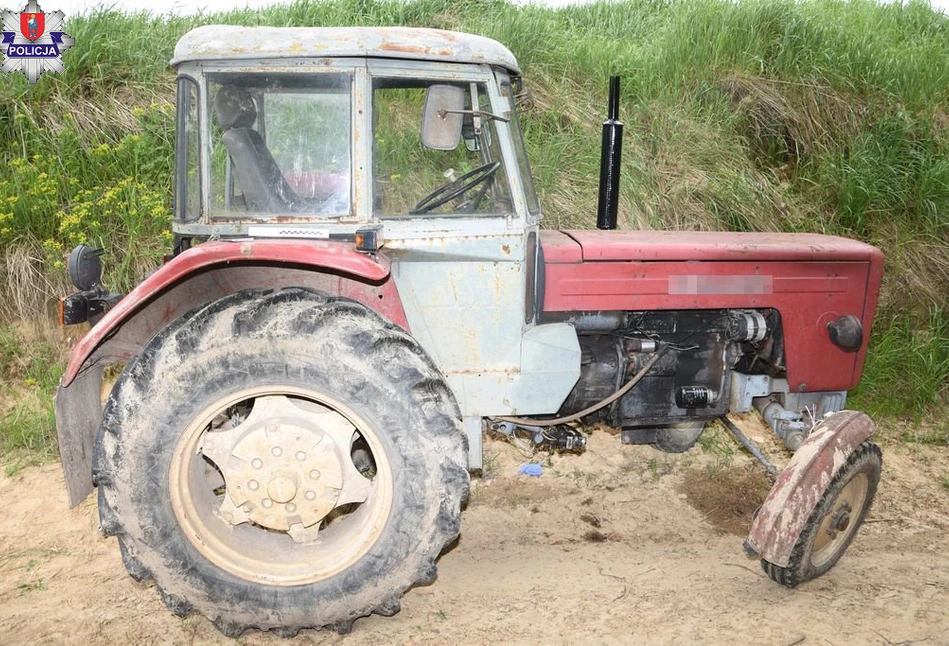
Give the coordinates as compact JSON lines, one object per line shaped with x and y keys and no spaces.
{"x":838,"y":524}
{"x":840,"y":520}
{"x":286,"y":466}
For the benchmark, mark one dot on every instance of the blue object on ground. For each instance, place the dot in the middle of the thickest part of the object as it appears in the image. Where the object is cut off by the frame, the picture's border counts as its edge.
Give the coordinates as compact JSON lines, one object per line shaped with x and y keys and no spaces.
{"x":531,"y":469}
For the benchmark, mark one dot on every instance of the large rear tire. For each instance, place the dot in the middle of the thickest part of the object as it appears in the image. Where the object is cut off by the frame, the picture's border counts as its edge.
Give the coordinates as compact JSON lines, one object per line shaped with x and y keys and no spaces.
{"x":835,"y":521}
{"x":281,"y":461}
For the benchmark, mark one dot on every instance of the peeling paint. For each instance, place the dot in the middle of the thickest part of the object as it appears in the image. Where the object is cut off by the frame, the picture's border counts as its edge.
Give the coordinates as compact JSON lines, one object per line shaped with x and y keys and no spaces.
{"x":214,"y":42}
{"x":800,"y":487}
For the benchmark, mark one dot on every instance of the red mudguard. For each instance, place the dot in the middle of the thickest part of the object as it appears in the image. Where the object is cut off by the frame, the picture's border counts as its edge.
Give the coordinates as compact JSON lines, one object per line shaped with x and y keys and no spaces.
{"x":799,"y":488}
{"x":360,"y":274}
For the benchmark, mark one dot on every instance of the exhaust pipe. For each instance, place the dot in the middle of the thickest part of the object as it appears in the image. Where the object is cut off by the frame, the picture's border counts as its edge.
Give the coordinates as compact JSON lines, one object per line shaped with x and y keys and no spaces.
{"x":610,"y":155}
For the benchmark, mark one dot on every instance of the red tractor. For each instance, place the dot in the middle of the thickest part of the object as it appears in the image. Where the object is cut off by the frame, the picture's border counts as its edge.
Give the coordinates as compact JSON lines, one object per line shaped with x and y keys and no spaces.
{"x":360,"y":287}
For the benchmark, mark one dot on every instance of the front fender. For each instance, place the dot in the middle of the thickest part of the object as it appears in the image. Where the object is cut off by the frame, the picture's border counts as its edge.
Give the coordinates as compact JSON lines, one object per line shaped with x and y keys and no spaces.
{"x":799,"y":488}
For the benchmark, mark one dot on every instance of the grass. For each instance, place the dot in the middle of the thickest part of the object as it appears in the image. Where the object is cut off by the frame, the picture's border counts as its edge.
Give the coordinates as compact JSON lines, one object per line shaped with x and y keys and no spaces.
{"x":763,"y":115}
{"x":716,"y":441}
{"x":907,"y":365}
{"x":29,"y":372}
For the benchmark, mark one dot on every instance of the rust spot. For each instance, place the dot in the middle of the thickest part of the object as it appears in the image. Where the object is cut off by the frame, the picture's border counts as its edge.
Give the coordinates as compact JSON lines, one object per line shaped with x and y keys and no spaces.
{"x":410,"y":49}
{"x":246,"y":249}
{"x":421,"y":50}
{"x":506,"y":249}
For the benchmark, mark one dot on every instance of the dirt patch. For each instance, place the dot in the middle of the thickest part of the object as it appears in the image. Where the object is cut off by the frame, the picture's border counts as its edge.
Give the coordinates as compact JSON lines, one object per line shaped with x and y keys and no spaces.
{"x":728,"y":497}
{"x":590,"y":519}
{"x":524,"y":572}
{"x":504,"y":492}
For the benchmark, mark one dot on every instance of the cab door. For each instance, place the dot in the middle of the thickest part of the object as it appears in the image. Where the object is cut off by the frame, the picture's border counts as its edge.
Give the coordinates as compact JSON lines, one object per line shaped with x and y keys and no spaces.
{"x":457,"y":228}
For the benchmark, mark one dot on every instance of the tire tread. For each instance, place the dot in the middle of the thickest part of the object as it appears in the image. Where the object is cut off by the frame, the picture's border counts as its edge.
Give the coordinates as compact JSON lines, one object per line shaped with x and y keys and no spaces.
{"x":251,"y":313}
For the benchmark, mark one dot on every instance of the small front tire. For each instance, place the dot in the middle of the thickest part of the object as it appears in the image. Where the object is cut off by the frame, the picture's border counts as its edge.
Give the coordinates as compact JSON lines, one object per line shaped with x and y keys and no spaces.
{"x":835,"y":521}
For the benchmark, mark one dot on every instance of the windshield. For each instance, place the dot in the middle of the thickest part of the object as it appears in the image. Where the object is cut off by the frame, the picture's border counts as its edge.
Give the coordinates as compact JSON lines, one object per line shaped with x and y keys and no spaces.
{"x":410,"y":179}
{"x":280,"y":144}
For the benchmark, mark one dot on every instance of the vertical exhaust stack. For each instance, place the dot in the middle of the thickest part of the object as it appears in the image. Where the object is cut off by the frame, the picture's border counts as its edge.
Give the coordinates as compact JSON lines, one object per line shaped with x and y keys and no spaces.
{"x":610,"y":156}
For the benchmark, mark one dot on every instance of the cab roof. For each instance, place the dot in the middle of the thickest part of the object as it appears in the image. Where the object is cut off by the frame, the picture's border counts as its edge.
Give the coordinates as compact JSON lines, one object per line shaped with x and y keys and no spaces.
{"x":224,"y":42}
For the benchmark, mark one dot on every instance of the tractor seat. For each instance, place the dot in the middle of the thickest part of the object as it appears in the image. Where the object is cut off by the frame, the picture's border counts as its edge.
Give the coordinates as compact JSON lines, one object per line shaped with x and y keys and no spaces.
{"x":264,"y":187}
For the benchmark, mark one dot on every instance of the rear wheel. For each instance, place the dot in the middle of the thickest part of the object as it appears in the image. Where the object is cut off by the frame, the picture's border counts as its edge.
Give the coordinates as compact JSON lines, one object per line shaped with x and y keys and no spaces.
{"x":281,"y":461}
{"x":835,"y":521}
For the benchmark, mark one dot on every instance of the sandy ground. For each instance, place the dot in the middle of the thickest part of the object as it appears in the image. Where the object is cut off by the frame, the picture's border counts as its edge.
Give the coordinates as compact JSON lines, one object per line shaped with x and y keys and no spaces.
{"x":604,"y":546}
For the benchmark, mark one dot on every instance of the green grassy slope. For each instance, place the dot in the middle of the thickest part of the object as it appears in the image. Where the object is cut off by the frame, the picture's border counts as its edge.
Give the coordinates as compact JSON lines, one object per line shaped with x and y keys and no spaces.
{"x":763,"y":115}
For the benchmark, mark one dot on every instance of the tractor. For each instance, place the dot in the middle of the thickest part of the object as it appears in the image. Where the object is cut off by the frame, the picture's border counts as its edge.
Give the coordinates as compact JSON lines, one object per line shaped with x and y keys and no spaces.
{"x":359,"y":289}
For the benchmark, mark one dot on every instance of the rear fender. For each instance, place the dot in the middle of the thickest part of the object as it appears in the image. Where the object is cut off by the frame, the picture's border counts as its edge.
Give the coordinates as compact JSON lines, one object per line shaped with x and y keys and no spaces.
{"x":194,"y":278}
{"x":800,"y":486}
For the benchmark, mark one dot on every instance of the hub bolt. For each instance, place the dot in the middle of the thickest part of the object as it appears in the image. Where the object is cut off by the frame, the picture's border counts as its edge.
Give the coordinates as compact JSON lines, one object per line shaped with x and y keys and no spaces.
{"x":256,"y":463}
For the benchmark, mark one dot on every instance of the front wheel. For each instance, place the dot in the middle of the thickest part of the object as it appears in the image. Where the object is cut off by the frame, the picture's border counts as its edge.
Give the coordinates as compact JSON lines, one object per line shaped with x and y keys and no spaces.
{"x":835,"y":521}
{"x":281,"y":461}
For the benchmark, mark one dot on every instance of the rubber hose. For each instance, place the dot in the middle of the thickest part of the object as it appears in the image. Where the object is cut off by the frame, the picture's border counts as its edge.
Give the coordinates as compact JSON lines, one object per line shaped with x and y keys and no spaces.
{"x":529,"y":421}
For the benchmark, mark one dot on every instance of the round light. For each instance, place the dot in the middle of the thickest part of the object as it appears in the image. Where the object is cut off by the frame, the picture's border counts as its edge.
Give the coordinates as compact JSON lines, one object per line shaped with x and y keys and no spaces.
{"x":85,"y":268}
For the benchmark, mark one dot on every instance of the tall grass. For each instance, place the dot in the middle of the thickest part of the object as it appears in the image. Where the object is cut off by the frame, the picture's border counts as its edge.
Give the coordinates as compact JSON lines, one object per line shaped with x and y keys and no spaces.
{"x":760,"y":115}
{"x":28,"y":378}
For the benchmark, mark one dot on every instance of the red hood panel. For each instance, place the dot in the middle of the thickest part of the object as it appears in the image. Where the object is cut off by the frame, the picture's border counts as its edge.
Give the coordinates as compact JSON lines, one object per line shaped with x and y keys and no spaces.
{"x":810,"y":279}
{"x":592,"y":246}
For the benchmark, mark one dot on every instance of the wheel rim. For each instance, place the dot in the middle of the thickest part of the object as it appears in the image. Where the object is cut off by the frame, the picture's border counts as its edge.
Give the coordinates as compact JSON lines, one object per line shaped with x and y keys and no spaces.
{"x":840,"y":522}
{"x":264,"y":485}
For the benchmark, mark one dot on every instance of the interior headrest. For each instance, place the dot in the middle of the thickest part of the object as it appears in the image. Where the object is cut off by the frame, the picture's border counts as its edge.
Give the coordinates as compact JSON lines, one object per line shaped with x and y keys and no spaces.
{"x":234,"y":107}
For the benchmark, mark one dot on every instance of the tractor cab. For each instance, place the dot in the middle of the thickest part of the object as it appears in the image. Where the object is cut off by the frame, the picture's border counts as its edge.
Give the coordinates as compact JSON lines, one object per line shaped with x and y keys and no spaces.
{"x":317,"y":132}
{"x":399,"y":149}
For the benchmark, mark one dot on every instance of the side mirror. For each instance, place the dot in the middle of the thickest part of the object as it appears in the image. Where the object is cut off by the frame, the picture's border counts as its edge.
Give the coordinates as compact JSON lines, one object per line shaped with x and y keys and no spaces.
{"x":441,"y":121}
{"x":85,"y":267}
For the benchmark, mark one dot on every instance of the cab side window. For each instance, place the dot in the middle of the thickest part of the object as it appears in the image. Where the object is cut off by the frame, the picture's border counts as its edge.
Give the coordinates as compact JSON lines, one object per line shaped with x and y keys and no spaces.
{"x":413,"y":180}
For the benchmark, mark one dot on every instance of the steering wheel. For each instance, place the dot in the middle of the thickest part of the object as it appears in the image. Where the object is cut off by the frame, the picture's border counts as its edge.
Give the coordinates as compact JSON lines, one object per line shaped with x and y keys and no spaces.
{"x":456,"y":188}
